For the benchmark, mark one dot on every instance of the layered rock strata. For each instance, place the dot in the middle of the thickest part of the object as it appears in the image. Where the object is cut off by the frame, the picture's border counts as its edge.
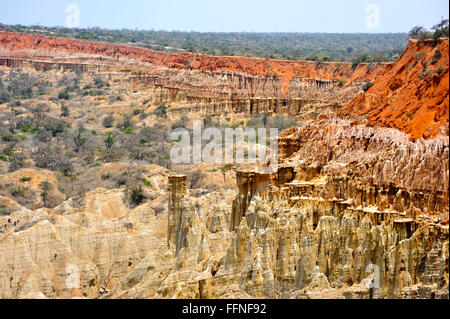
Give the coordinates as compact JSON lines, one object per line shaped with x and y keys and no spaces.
{"x":200,"y":84}
{"x":338,"y":220}
{"x":342,"y":211}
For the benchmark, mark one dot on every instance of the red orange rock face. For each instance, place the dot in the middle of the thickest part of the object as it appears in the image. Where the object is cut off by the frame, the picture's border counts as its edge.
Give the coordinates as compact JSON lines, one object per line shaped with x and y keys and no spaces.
{"x":410,"y":95}
{"x":285,"y":70}
{"x":413,"y":95}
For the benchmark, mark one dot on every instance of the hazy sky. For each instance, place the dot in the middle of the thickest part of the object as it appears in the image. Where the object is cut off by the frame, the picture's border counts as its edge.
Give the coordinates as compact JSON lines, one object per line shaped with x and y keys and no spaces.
{"x":232,"y":15}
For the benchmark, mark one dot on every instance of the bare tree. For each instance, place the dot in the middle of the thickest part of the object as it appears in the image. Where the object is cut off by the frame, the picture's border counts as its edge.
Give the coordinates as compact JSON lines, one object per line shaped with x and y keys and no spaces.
{"x":54,"y":158}
{"x":195,"y":178}
{"x":42,"y":136}
{"x":108,"y":121}
{"x":419,"y":32}
{"x":64,"y":110}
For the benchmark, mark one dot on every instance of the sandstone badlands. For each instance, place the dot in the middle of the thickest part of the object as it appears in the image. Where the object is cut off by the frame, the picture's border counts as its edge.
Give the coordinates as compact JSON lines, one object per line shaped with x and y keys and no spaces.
{"x":359,"y":200}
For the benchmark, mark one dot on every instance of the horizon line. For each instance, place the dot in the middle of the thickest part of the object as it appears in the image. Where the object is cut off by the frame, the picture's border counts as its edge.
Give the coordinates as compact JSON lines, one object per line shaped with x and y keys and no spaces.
{"x":194,"y":31}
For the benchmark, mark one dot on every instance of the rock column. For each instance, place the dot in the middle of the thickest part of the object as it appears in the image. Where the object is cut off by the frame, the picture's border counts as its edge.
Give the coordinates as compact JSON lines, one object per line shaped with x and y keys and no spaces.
{"x":177,"y":190}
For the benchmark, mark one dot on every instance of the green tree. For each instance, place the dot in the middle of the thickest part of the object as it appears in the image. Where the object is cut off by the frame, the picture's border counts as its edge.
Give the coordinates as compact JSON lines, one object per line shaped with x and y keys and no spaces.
{"x":441,"y":29}
{"x":45,"y":187}
{"x":9,"y":153}
{"x":64,"y":111}
{"x":78,"y":139}
{"x":161,"y":111}
{"x":109,"y":140}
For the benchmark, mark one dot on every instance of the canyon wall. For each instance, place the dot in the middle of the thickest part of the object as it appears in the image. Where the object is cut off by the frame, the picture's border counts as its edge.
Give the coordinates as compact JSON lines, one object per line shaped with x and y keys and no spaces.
{"x":201,"y":84}
{"x":358,"y":208}
{"x":335,"y":221}
{"x":410,"y":94}
{"x":191,"y":61}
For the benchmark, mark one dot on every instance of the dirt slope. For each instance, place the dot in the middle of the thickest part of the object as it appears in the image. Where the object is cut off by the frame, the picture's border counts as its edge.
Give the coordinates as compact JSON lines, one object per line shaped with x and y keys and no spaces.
{"x":413,"y":95}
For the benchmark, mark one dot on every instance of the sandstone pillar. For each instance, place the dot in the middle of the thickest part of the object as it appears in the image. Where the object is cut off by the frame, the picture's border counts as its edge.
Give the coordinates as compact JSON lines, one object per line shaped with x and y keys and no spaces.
{"x":177,"y":189}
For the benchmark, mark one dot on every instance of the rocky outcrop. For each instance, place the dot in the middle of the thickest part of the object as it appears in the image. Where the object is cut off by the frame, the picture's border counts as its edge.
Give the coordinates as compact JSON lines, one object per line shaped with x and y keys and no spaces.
{"x":339,"y":147}
{"x":317,"y":248}
{"x":342,"y":247}
{"x":337,"y":221}
{"x":211,"y":93}
{"x":249,"y":184}
{"x":82,"y":247}
{"x":178,"y":221}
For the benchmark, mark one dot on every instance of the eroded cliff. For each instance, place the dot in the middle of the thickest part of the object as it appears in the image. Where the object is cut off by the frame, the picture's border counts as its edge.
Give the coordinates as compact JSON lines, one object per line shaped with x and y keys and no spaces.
{"x":336,"y":221}
{"x":201,"y":84}
{"x":352,"y":211}
{"x":413,"y":95}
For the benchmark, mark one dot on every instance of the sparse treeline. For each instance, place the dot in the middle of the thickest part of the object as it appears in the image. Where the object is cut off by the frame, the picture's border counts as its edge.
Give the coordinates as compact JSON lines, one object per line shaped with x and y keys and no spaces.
{"x":292,"y":46}
{"x":439,"y":30}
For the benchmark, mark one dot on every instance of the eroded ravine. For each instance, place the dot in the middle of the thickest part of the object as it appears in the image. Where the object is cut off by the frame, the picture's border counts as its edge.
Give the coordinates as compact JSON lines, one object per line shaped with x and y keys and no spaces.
{"x":349,"y":204}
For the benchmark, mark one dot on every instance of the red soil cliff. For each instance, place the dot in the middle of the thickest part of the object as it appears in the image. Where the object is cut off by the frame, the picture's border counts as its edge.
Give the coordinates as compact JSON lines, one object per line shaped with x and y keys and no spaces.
{"x":413,"y":95}
{"x":284,"y":69}
{"x":410,"y":95}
